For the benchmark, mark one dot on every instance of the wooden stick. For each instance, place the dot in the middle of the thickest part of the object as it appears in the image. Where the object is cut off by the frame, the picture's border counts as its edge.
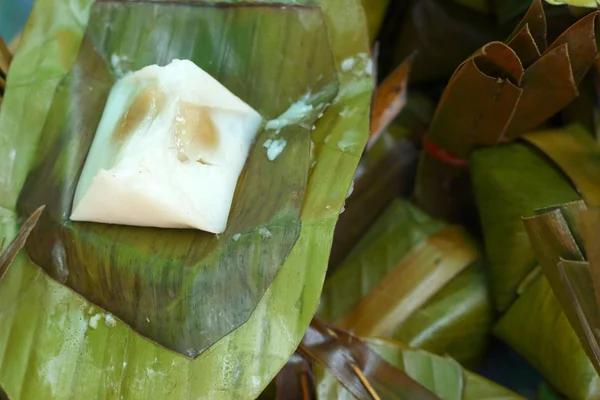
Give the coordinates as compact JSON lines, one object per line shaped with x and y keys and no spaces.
{"x":365,"y":382}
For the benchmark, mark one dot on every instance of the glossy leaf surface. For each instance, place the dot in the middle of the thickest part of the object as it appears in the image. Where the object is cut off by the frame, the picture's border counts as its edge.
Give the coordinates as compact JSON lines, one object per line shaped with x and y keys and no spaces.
{"x":171,"y":284}
{"x":116,"y":359}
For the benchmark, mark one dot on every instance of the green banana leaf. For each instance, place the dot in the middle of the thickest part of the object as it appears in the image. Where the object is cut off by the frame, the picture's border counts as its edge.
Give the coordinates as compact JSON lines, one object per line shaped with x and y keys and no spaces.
{"x":510,"y":182}
{"x":577,"y":154}
{"x":375,"y":11}
{"x":556,"y":238}
{"x":169,"y":285}
{"x":56,"y":344}
{"x":537,"y":328}
{"x":454,"y":321}
{"x":533,"y":323}
{"x":441,"y":375}
{"x":382,"y":175}
{"x":576,"y":3}
{"x":385,"y":171}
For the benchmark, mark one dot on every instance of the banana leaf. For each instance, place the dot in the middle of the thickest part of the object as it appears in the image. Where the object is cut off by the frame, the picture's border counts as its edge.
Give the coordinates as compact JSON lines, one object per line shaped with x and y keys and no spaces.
{"x":451,"y":318}
{"x":563,"y":235}
{"x":576,"y":3}
{"x":556,"y":236}
{"x":294,"y":381}
{"x":590,"y":227}
{"x":537,"y":328}
{"x":345,"y":366}
{"x":375,"y":11}
{"x":363,"y":372}
{"x":75,"y":347}
{"x":386,"y":170}
{"x":501,"y":92}
{"x":441,"y":375}
{"x":577,"y":154}
{"x":386,"y":175}
{"x":528,"y":181}
{"x":182,"y":281}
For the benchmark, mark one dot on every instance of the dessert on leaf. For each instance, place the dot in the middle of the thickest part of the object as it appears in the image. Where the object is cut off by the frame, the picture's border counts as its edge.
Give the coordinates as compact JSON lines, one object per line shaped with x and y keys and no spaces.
{"x":168,"y":152}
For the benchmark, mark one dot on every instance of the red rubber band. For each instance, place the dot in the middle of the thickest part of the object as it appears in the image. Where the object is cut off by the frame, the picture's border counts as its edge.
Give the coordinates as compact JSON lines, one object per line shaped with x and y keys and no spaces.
{"x":442,"y":154}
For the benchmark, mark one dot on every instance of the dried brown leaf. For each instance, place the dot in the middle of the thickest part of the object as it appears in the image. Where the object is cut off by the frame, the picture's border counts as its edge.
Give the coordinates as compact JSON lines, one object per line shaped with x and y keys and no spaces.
{"x":389,"y":100}
{"x":5,"y":57}
{"x":524,"y":45}
{"x":357,"y":367}
{"x":296,"y":380}
{"x":548,"y":86}
{"x":474,"y":110}
{"x":535,"y":18}
{"x":580,"y":39}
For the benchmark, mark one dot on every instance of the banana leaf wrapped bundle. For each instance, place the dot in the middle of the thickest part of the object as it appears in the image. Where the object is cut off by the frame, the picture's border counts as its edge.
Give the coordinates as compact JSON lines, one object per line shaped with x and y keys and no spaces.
{"x":347,"y":367}
{"x":135,"y":313}
{"x":530,"y":180}
{"x":502,"y":91}
{"x":415,"y":279}
{"x":565,"y":241}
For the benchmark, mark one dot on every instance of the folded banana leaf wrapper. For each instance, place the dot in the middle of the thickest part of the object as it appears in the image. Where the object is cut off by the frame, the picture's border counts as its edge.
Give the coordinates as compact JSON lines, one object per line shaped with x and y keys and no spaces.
{"x":135,"y":313}
{"x":415,"y":279}
{"x":505,"y":89}
{"x":343,"y":366}
{"x":534,"y":323}
{"x":566,"y":243}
